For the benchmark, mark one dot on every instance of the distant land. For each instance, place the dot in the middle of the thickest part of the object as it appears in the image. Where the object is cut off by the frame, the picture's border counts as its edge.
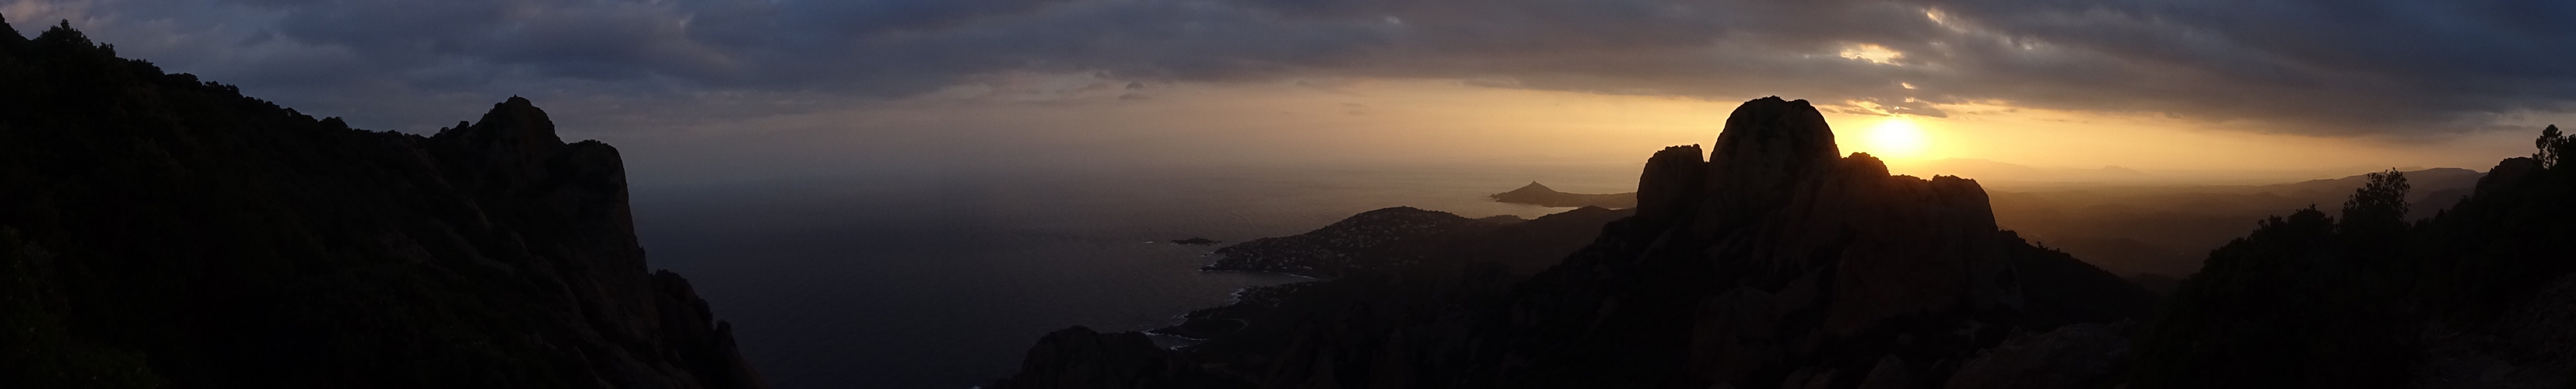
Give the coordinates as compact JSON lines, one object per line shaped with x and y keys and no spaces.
{"x":1540,"y":195}
{"x":2009,"y":176}
{"x":1993,"y":171}
{"x":2169,"y":229}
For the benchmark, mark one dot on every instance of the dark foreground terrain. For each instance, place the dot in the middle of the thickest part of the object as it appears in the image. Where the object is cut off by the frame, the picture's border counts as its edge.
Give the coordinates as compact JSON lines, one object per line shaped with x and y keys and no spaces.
{"x":160,"y":230}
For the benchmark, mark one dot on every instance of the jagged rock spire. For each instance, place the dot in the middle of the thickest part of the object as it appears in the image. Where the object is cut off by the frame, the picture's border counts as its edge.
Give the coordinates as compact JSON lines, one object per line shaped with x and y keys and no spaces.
{"x":514,"y":137}
{"x":516,"y":122}
{"x":1774,"y":132}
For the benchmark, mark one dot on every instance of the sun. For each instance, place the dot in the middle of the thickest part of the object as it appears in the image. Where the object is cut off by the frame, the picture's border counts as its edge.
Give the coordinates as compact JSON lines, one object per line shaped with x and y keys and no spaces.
{"x":1898,"y":137}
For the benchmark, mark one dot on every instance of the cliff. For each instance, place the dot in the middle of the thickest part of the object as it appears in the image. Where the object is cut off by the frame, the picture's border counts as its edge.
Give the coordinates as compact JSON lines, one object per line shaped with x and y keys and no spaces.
{"x":1770,"y":261}
{"x":158,"y":230}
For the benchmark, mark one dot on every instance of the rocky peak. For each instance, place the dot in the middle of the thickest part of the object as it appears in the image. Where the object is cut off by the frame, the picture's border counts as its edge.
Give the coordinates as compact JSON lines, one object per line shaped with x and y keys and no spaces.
{"x":1768,"y":146}
{"x":513,"y":123}
{"x":1534,"y":186}
{"x":1773,"y":132}
{"x":1671,"y":184}
{"x":514,"y":136}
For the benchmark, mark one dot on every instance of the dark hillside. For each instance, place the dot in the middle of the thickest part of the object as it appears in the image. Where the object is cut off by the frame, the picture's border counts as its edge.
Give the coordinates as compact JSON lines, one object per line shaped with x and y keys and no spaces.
{"x":2477,"y":296}
{"x":161,"y":230}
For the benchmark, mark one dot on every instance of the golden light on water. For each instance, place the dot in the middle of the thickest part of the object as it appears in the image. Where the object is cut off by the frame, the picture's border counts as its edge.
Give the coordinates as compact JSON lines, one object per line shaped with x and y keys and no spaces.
{"x":1897,"y":137}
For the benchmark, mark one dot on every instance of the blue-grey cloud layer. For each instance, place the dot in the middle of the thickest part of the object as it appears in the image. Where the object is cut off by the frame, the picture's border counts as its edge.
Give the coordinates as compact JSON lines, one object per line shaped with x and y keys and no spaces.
{"x":2325,"y":67}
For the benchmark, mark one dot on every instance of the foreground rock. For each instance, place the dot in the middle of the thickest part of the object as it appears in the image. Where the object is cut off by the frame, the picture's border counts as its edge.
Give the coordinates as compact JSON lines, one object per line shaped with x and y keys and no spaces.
{"x":158,"y":230}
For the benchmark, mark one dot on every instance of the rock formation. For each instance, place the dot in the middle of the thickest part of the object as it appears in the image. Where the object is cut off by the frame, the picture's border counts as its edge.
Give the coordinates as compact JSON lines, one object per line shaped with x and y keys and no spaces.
{"x":1773,"y":262}
{"x":158,"y":230}
{"x":1777,"y":258}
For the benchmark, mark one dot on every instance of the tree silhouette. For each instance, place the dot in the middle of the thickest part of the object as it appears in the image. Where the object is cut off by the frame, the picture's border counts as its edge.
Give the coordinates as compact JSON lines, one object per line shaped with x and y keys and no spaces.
{"x":2553,"y":146}
{"x":2379,"y":205}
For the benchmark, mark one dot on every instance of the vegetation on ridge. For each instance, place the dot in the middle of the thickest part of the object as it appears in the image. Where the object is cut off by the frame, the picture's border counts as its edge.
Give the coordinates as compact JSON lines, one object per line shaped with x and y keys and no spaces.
{"x":2311,"y":300}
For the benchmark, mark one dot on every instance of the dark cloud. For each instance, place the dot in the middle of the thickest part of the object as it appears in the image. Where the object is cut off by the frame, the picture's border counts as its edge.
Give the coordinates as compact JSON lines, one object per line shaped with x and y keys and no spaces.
{"x":2317,"y":66}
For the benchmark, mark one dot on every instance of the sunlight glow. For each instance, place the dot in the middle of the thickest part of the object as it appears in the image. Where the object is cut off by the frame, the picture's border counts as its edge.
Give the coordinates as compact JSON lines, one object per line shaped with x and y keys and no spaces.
{"x":1898,"y":137}
{"x":1872,"y":53}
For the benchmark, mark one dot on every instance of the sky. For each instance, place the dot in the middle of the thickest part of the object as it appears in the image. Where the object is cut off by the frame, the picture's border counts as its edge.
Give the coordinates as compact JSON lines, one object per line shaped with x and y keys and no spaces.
{"x":712,"y":90}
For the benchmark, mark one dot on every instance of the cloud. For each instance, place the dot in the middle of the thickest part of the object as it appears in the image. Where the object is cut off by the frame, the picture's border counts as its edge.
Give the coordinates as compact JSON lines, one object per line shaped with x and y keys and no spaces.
{"x":2367,"y":67}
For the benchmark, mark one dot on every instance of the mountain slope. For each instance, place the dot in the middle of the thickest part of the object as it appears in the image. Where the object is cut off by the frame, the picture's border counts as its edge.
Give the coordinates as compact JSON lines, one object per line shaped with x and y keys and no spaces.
{"x":2477,"y":296}
{"x":161,"y":230}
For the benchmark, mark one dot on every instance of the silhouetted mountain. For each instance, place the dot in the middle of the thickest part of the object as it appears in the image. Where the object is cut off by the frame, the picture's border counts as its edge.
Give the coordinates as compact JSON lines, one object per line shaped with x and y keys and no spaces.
{"x":2477,"y":296}
{"x":1541,"y":195}
{"x":158,"y":230}
{"x":1773,"y":262}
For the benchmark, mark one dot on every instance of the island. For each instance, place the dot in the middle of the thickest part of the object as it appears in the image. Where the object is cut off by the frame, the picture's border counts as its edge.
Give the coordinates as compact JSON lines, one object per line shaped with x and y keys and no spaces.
{"x":1541,"y":195}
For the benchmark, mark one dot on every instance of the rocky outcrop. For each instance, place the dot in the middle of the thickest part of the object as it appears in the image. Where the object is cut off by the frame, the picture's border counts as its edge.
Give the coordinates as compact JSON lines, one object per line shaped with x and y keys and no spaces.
{"x":163,"y":230}
{"x":1541,"y":195}
{"x":1791,"y":259}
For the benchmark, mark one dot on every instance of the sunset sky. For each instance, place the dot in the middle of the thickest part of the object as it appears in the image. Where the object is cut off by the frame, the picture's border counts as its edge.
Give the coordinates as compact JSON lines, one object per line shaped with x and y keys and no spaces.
{"x":726,"y":89}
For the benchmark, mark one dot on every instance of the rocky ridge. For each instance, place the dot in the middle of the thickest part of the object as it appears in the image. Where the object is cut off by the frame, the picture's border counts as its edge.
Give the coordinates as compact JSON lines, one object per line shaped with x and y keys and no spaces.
{"x":159,"y":230}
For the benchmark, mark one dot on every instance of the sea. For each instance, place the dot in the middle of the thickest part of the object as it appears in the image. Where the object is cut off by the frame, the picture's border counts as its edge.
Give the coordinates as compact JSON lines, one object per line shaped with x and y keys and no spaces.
{"x":943,"y":278}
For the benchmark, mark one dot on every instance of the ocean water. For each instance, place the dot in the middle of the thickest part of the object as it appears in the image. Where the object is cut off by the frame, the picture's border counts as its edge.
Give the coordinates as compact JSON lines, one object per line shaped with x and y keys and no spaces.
{"x":943,"y":278}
